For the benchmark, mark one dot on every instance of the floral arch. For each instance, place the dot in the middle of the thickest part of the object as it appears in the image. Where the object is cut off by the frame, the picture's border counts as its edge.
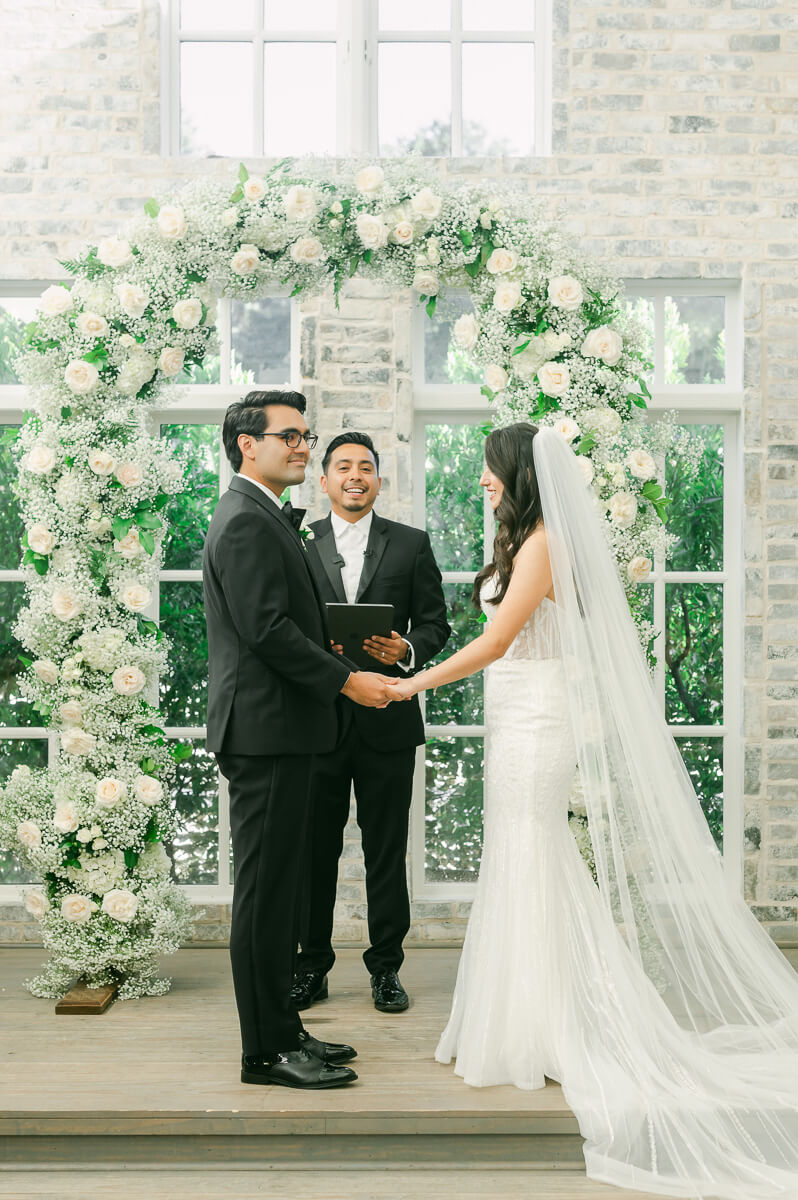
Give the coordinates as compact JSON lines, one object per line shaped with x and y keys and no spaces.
{"x":555,"y":345}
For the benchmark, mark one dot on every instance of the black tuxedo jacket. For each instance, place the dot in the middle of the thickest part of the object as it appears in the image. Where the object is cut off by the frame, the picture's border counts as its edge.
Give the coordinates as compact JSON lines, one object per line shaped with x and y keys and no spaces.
{"x":272,"y":676}
{"x":399,"y":568}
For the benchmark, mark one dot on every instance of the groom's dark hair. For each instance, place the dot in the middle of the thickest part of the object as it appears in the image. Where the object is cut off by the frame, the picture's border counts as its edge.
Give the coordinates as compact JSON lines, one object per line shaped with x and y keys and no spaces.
{"x":349,"y":438}
{"x":250,"y":416}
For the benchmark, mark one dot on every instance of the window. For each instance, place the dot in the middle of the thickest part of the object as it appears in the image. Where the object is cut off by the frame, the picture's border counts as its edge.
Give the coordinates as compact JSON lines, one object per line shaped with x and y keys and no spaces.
{"x":326,"y":78}
{"x":693,"y":598}
{"x":255,"y":348}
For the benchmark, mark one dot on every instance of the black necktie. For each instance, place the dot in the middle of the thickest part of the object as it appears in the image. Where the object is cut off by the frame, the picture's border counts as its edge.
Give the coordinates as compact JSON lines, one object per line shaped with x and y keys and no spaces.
{"x":294,"y":515}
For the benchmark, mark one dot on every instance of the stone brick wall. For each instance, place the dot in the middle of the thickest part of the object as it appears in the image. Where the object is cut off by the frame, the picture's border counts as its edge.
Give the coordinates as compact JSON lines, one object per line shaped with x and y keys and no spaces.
{"x":675,"y":155}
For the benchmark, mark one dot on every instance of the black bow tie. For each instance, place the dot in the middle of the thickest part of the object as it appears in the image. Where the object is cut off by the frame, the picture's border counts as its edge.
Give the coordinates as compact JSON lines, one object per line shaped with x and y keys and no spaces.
{"x":294,"y":515}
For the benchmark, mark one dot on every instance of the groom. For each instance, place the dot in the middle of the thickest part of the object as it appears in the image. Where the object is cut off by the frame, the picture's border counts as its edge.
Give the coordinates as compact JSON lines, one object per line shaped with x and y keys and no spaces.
{"x":272,"y":684}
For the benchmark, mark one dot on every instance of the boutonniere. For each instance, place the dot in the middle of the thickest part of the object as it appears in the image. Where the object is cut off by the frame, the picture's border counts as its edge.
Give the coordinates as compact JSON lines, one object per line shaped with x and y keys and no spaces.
{"x":306,"y":533}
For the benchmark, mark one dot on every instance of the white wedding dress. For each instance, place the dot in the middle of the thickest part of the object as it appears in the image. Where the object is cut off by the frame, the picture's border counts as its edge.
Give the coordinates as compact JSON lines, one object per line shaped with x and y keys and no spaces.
{"x":654,"y":997}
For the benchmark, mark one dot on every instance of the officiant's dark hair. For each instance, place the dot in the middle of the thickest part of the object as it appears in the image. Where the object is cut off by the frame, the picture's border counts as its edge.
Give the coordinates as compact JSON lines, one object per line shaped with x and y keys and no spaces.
{"x":349,"y":439}
{"x":509,"y":455}
{"x":250,"y":416}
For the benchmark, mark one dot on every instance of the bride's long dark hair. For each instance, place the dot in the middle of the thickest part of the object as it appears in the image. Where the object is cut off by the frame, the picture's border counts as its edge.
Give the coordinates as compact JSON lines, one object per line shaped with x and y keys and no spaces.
{"x":508,"y":454}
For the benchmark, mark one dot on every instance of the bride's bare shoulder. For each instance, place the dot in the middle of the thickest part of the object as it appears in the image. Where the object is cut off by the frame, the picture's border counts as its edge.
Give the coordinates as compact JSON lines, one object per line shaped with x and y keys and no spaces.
{"x":534,"y":544}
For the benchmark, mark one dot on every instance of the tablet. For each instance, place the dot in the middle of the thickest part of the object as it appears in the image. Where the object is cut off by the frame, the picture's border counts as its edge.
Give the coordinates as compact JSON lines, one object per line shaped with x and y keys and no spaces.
{"x":351,"y":624}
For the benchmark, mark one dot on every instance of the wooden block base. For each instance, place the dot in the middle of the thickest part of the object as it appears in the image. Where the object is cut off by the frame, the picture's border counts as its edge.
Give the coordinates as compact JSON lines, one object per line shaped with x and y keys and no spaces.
{"x":82,"y":1000}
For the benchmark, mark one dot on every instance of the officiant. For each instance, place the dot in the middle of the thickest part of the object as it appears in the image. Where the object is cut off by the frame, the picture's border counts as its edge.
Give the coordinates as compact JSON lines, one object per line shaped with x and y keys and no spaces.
{"x":359,"y":557}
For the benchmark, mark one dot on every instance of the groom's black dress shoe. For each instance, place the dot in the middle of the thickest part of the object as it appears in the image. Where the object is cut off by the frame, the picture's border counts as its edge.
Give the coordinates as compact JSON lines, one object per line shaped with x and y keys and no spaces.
{"x":307,"y":988}
{"x":333,"y":1053}
{"x":294,"y":1068}
{"x":388,"y":993}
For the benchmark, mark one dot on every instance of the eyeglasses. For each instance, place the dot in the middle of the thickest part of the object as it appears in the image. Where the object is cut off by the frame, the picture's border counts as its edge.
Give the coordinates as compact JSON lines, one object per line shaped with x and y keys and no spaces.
{"x":293,"y":437}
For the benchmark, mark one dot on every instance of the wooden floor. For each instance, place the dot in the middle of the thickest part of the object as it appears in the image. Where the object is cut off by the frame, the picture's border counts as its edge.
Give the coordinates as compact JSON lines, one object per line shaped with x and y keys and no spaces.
{"x":145,"y":1101}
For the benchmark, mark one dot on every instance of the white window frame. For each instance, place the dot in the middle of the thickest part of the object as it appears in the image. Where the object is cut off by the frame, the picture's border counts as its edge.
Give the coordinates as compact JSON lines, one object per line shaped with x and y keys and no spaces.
{"x":694,"y":404}
{"x":356,"y":36}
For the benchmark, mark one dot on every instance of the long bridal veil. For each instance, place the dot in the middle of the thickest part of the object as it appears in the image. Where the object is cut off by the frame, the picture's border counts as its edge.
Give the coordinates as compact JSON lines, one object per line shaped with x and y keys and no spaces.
{"x":683,"y":1071}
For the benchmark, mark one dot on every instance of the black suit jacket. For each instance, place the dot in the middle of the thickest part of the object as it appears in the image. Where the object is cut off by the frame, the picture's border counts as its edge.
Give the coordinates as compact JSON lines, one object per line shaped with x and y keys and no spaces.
{"x":272,"y":676}
{"x":399,"y":568}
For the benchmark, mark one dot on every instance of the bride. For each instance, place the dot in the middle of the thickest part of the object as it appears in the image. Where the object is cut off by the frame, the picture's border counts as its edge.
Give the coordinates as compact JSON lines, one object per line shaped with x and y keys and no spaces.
{"x":652,"y":995}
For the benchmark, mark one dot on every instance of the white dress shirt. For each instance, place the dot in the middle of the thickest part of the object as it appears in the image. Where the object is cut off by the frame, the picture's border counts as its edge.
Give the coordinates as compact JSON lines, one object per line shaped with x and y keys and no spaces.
{"x":351,"y":540}
{"x":266,"y":490}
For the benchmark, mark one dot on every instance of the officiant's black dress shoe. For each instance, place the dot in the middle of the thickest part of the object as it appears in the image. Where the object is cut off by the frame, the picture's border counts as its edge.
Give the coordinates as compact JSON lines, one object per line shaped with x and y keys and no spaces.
{"x":294,"y":1068}
{"x":307,"y":988}
{"x":333,"y":1053}
{"x":388,"y":993}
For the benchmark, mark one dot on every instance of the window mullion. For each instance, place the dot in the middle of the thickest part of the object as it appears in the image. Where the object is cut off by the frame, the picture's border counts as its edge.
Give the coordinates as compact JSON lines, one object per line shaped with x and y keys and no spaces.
{"x":259,"y":97}
{"x":456,"y":118}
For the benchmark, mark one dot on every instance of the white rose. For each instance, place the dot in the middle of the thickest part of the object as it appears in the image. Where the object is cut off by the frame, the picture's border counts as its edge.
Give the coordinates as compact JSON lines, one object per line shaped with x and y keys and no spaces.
{"x":91,"y":324}
{"x":622,"y":508}
{"x":66,"y":818}
{"x":565,"y":292}
{"x":81,"y":377}
{"x":501,"y":261}
{"x":40,"y":540}
{"x":372,"y":231}
{"x":126,"y":341}
{"x":433,"y":252}
{"x":109,"y":792}
{"x":148,"y":790}
{"x":369,"y":180}
{"x":229,"y":218}
{"x":187,"y":314}
{"x":41,"y":459}
{"x":426,"y":283}
{"x":507,"y":296}
{"x":54,"y":302}
{"x":71,"y":713}
{"x":402,"y":233}
{"x":136,"y":371}
{"x":129,"y":474}
{"x":603,"y":343}
{"x":585,"y":468}
{"x":245,"y":260}
{"x":135,"y":597}
{"x":567,"y":428}
{"x":101,"y":462}
{"x":254,"y":188}
{"x":171,"y":360}
{"x":496,"y":377}
{"x":99,"y":843}
{"x":638,"y":568}
{"x":307,"y":250}
{"x":128,"y":680}
{"x":132,"y":298}
{"x":114,"y":252}
{"x":639,"y":462}
{"x":207,"y":297}
{"x":20,"y":772}
{"x":426,"y":204}
{"x":171,"y":221}
{"x":65,"y":605}
{"x":604,"y":421}
{"x":485,"y":220}
{"x":99,"y":527}
{"x":554,"y":379}
{"x":36,"y":902}
{"x":29,"y":834}
{"x":120,"y":904}
{"x":77,"y":741}
{"x":130,"y":545}
{"x":299,"y":203}
{"x":46,"y":670}
{"x":77,"y":908}
{"x":84,"y":836}
{"x":466,"y":331}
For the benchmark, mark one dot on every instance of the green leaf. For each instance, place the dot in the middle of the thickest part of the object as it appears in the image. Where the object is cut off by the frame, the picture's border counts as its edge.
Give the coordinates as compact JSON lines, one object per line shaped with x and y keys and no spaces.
{"x":520,"y":349}
{"x":473,"y":268}
{"x":482,"y":619}
{"x":651,"y":490}
{"x":237,"y":194}
{"x":368,"y":255}
{"x":430,"y":306}
{"x":486,"y":391}
{"x":354,"y":263}
{"x":161,"y":501}
{"x":243,"y":173}
{"x":26,"y":662}
{"x":41,"y":564}
{"x":346,"y":206}
{"x":586,"y":443}
{"x":98,"y":565}
{"x":541,"y":326}
{"x":153,"y":731}
{"x":486,"y":251}
{"x":152,"y":207}
{"x":152,"y":834}
{"x":181,"y":752}
{"x":66,"y":412}
{"x":131,"y":859}
{"x":466,"y":237}
{"x":148,"y":627}
{"x":121,"y":527}
{"x":644,"y":387}
{"x":636,"y":398}
{"x":70,"y":462}
{"x":98,"y":354}
{"x":148,"y":766}
{"x":148,"y":520}
{"x":147,"y":542}
{"x":298,"y":287}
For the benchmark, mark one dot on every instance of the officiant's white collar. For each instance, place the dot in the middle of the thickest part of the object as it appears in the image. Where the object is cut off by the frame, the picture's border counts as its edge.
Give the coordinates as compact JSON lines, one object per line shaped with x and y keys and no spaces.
{"x":266,"y":490}
{"x":342,"y":526}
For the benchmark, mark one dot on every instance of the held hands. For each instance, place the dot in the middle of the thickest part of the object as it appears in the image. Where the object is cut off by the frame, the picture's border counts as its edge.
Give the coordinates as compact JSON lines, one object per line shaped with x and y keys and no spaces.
{"x":387,"y":650}
{"x":370,"y":689}
{"x":403,"y":689}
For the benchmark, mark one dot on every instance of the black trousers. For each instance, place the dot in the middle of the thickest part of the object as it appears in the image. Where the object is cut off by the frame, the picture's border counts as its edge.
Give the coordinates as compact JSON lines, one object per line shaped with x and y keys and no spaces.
{"x":269,"y":823}
{"x":383,"y":781}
